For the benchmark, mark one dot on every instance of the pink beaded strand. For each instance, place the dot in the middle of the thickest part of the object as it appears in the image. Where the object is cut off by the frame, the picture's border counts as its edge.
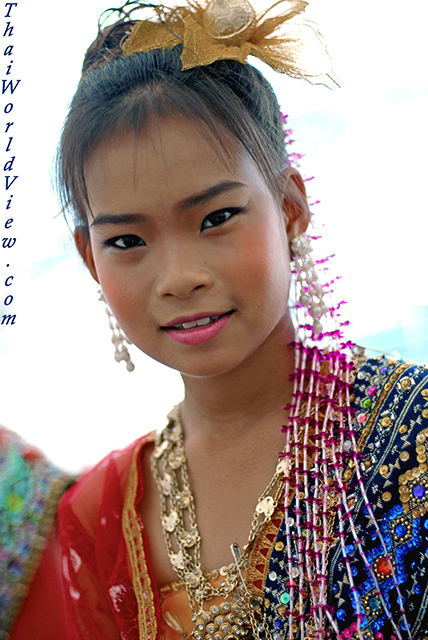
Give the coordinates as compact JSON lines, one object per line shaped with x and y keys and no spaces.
{"x":328,"y":394}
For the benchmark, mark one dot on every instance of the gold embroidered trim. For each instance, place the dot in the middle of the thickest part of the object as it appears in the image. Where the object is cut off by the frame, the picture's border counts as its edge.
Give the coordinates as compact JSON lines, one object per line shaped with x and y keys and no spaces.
{"x":265,"y":541}
{"x":380,"y":402}
{"x":132,"y":533}
{"x":374,"y":413}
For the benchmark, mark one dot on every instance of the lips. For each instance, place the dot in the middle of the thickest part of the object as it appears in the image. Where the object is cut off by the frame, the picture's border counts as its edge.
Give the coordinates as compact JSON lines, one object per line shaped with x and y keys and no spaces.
{"x":197,"y":320}
{"x":193,"y":330}
{"x":203,"y":322}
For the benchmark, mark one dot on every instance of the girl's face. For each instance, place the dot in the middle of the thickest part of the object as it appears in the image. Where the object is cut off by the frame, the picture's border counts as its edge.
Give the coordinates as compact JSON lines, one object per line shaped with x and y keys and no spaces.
{"x":190,"y":247}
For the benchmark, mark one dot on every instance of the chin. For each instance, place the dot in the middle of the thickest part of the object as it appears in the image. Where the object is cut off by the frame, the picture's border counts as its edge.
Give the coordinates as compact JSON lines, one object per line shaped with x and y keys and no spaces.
{"x":202,"y":365}
{"x":207,"y":372}
{"x":206,"y":367}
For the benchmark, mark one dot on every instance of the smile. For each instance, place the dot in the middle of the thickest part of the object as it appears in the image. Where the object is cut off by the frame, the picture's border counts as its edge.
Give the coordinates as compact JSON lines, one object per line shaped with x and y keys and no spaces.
{"x":197,"y":323}
{"x":197,"y":329}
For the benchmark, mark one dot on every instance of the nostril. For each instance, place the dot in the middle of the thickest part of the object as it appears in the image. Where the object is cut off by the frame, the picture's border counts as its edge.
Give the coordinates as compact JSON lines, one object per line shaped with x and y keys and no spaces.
{"x":181,"y":280}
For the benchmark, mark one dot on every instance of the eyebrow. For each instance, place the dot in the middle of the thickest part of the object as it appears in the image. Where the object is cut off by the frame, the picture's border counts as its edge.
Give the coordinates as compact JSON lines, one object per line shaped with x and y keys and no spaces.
{"x":113,"y":218}
{"x":187,"y":203}
{"x":209,"y":194}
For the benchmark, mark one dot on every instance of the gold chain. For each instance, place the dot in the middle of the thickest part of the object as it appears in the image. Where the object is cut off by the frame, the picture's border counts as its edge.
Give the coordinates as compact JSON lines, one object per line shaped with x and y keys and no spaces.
{"x":183,"y":541}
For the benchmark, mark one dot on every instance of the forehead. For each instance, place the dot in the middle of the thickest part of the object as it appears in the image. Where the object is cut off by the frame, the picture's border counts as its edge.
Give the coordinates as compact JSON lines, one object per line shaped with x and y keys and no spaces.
{"x":167,"y":162}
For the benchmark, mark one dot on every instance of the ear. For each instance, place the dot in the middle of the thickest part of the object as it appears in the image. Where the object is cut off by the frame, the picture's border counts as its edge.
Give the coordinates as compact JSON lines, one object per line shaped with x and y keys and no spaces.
{"x":294,"y":202}
{"x":83,"y":244}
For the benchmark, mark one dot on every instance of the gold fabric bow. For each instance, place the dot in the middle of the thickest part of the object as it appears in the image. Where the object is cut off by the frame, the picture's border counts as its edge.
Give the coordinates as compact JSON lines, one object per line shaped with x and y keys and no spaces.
{"x":225,"y":30}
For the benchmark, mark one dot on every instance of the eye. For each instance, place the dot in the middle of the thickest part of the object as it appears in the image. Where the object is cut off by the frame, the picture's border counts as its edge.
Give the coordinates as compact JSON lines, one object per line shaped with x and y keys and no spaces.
{"x":128,"y":241}
{"x":217,"y":218}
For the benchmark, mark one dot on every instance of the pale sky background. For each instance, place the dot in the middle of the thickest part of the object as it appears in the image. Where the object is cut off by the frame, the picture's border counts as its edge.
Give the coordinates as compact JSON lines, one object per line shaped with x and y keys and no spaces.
{"x":364,"y":143}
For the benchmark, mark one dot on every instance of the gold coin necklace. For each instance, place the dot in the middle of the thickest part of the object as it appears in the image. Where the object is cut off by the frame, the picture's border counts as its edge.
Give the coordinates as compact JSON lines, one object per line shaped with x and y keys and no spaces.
{"x":234,"y":618}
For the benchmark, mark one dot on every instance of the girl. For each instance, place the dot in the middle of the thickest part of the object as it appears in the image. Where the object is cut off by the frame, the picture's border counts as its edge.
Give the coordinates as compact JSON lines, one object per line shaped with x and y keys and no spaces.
{"x":187,"y":211}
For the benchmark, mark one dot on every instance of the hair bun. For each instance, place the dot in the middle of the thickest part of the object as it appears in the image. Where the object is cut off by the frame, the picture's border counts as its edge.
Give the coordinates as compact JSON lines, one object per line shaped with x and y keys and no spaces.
{"x":107,"y":45}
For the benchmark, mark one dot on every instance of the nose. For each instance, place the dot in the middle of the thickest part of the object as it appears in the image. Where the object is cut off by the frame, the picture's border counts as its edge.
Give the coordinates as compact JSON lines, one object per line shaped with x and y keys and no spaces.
{"x":181,"y":273}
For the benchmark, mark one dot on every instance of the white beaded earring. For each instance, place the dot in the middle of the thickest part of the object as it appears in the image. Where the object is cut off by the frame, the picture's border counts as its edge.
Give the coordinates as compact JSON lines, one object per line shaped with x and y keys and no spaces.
{"x":119,"y":339}
{"x":311,"y":292}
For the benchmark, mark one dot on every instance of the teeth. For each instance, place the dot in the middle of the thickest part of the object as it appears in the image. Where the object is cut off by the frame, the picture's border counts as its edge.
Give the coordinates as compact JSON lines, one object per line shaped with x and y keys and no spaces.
{"x":202,"y":322}
{"x":188,"y":325}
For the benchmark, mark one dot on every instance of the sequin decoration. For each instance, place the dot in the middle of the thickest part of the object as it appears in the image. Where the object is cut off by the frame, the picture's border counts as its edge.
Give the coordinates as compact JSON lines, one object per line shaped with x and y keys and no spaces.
{"x":30,"y":489}
{"x":393,"y":441}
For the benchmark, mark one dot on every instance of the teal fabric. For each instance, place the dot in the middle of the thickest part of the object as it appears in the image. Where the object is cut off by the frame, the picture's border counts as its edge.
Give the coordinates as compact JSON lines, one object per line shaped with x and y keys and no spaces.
{"x":30,"y":489}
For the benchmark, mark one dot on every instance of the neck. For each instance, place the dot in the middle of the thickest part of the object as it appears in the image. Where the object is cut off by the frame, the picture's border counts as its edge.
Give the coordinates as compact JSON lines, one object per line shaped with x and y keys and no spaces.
{"x":241,"y":401}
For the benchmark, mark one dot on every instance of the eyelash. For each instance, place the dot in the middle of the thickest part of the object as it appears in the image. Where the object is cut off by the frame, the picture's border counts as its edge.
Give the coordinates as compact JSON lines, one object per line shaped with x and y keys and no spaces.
{"x":111,"y":242}
{"x":232,"y":210}
{"x":136,"y":241}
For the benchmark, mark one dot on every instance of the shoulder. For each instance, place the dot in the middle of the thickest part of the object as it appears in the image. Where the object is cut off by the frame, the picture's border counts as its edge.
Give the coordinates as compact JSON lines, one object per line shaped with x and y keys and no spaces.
{"x":82,"y":501}
{"x":390,"y":400}
{"x":384,"y":387}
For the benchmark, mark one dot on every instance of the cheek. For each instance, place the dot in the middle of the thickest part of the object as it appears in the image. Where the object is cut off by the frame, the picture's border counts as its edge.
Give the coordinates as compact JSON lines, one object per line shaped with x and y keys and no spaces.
{"x":123,"y":291}
{"x":266,"y":264}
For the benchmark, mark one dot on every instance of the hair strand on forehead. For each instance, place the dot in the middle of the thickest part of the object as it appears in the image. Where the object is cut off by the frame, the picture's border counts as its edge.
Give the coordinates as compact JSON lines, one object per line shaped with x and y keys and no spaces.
{"x":119,"y":95}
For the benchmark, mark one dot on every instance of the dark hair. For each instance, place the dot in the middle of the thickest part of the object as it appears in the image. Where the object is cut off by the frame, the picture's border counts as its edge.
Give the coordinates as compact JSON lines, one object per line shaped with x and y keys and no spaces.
{"x":118,"y":94}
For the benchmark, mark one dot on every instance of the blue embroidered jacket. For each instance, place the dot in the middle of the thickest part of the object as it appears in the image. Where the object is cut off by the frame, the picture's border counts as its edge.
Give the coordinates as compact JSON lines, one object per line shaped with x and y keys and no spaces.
{"x":390,"y":399}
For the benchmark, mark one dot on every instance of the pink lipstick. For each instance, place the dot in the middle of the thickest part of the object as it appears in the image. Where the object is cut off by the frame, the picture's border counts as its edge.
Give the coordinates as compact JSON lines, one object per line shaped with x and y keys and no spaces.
{"x":197,"y":328}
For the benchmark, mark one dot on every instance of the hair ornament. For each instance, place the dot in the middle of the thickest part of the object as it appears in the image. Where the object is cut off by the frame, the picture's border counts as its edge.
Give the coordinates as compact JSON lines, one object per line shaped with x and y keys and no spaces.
{"x":233,"y":30}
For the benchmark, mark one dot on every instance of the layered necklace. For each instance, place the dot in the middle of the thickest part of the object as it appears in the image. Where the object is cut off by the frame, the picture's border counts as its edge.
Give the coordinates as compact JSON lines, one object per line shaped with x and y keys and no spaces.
{"x":310,"y":483}
{"x":239,"y":614}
